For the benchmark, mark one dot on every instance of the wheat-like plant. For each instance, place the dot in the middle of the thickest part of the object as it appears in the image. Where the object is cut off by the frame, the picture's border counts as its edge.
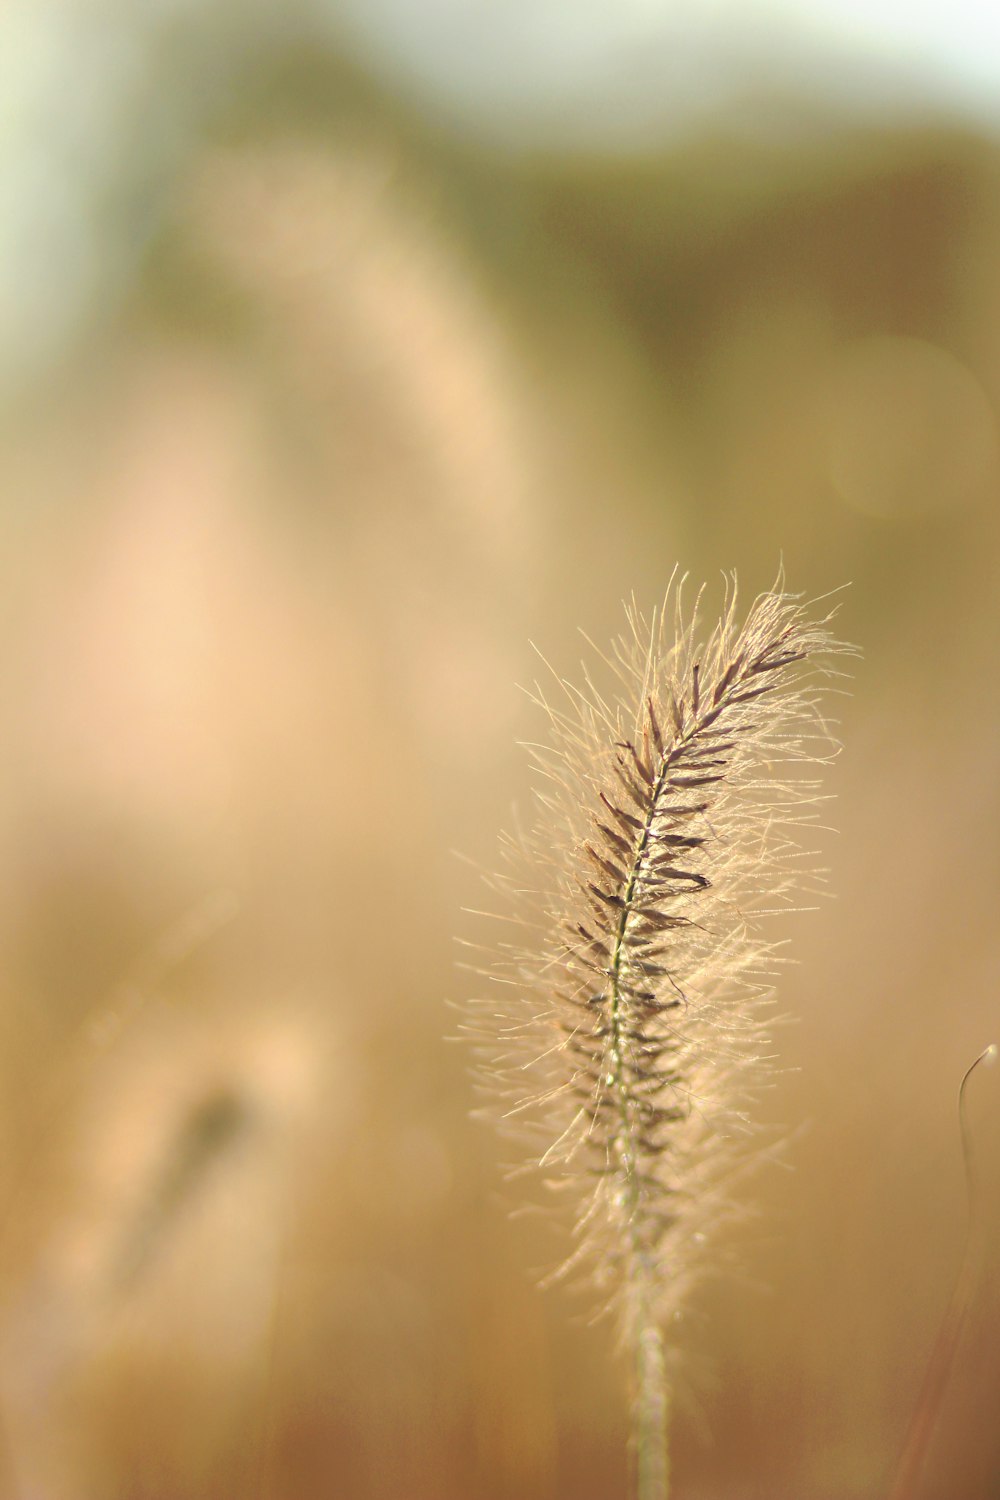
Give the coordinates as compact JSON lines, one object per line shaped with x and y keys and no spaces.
{"x":623,"y":1037}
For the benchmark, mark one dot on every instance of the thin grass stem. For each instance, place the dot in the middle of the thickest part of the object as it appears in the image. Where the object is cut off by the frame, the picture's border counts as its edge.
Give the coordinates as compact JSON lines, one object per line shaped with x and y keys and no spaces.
{"x":652,"y":1455}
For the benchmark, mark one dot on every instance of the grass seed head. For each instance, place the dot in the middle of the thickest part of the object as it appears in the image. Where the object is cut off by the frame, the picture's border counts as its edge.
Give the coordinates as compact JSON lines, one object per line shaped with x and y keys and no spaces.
{"x":624,"y":1037}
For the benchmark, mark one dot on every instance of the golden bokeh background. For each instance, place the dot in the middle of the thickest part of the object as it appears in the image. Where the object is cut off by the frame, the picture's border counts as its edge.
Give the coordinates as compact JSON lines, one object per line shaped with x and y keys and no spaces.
{"x":377,"y":403}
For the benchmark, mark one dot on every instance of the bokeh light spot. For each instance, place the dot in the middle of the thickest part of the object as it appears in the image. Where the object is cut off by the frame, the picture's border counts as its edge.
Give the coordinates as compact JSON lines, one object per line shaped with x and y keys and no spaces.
{"x":908,"y":429}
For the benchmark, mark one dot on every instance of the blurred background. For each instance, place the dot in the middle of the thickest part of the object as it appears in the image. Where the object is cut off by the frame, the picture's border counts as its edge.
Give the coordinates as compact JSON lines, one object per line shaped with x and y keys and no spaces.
{"x":345,"y":349}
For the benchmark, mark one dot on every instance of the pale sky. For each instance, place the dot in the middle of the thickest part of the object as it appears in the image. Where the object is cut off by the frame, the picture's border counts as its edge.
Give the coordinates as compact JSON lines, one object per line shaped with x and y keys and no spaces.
{"x":592,"y":67}
{"x":101,"y":99}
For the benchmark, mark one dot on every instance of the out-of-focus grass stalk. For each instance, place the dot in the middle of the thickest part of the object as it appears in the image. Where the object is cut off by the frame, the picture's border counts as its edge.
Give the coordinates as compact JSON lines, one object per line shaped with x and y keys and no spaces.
{"x":950,"y":1332}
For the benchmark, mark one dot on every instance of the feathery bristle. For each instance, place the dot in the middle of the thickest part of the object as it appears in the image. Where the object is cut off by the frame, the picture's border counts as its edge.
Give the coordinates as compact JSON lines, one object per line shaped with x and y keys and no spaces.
{"x":625,"y":1038}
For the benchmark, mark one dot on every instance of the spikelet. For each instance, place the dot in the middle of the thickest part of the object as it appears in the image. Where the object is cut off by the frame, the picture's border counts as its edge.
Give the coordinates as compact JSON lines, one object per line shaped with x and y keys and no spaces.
{"x":624,"y":1038}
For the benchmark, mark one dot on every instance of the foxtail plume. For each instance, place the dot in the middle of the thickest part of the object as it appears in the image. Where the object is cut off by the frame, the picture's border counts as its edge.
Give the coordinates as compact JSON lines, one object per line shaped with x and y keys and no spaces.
{"x":624,"y":1036}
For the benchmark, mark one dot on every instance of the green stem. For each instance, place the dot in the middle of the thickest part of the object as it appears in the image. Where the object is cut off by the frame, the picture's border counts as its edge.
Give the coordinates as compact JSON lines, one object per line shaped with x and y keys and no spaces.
{"x":650,"y":1409}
